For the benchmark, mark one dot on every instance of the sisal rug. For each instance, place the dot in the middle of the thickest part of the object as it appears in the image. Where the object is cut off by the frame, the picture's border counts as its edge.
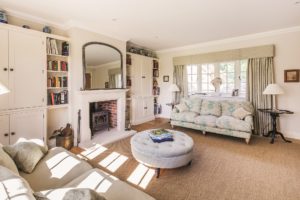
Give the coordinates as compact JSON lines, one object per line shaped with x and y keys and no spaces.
{"x":222,"y":168}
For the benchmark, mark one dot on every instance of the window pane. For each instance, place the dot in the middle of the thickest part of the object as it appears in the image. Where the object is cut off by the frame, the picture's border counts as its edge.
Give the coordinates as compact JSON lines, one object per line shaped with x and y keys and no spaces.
{"x":194,"y":78}
{"x":194,"y":69}
{"x":189,"y":78}
{"x":189,"y":69}
{"x":204,"y":69}
{"x":244,"y":64}
{"x":204,"y":87}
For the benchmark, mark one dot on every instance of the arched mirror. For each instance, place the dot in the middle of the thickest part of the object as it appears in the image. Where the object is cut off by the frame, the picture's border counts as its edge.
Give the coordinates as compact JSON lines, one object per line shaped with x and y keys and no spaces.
{"x":102,"y":66}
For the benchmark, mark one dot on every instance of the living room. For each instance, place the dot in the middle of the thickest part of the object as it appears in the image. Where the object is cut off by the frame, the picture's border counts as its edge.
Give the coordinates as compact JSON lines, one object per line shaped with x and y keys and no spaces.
{"x":149,"y":100}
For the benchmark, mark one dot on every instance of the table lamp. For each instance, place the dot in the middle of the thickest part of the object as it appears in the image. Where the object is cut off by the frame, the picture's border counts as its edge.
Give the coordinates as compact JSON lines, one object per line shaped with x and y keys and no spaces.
{"x":173,"y":88}
{"x":273,"y":89}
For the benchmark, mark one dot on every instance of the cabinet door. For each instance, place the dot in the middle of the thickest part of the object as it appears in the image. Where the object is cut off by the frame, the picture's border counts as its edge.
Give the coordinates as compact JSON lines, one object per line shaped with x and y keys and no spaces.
{"x":4,"y":67}
{"x":136,"y":75}
{"x":146,"y":81}
{"x":27,"y":56}
{"x":4,"y":129}
{"x":27,"y":124}
{"x":149,"y":107}
{"x":137,"y":110}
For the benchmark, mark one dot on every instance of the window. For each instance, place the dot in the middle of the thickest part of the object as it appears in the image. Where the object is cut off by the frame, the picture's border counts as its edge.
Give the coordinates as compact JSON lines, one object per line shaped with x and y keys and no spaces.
{"x":233,"y":75}
{"x":192,"y":78}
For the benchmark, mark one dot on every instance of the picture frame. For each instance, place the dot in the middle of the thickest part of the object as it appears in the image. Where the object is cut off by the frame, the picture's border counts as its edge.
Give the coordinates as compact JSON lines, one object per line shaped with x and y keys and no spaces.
{"x":166,"y":78}
{"x":291,"y":75}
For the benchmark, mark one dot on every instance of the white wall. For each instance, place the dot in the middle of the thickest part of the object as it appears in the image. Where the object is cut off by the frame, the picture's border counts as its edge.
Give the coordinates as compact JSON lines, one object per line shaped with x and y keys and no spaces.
{"x":287,"y":56}
{"x":78,"y":38}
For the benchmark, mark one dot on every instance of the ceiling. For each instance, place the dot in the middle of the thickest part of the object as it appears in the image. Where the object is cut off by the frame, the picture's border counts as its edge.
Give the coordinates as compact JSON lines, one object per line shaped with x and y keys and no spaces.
{"x":163,"y":24}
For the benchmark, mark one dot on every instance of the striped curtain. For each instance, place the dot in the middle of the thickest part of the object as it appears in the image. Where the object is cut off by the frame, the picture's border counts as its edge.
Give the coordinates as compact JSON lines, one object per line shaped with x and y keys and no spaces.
{"x":179,"y":78}
{"x":260,"y":74}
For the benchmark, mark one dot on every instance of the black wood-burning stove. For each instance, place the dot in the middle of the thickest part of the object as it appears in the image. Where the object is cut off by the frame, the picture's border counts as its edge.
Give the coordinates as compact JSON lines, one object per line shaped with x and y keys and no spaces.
{"x":99,"y":119}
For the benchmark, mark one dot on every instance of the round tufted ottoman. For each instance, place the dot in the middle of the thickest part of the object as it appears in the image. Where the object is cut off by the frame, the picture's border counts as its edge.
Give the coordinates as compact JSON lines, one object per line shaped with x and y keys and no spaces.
{"x":170,"y":154}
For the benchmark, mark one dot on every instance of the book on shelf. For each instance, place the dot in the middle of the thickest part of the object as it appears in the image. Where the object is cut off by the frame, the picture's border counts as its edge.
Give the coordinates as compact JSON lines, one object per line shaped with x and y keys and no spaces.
{"x":52,"y":46}
{"x":57,"y":81}
{"x":57,"y":98}
{"x":155,"y":64}
{"x":56,"y":65}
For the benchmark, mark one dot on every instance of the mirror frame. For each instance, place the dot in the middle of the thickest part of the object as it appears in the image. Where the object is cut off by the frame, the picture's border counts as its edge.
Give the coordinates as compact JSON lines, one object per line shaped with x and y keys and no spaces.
{"x":84,"y":65}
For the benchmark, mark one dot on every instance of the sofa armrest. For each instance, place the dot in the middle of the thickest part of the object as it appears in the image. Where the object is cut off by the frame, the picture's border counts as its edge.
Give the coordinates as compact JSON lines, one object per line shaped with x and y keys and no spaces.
{"x":249,"y":119}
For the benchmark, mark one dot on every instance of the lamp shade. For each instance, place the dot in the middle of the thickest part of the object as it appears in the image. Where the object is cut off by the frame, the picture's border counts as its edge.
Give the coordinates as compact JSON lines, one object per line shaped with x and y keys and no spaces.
{"x":3,"y":89}
{"x":174,"y":88}
{"x":273,"y":89}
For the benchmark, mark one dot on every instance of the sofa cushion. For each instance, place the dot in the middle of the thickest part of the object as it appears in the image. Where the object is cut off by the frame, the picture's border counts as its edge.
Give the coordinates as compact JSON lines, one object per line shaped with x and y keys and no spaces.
{"x":240,"y":113}
{"x":206,"y":120}
{"x":228,"y":107}
{"x":7,"y":161}
{"x":13,"y":186}
{"x":25,"y":154}
{"x":69,"y":194}
{"x":57,"y":168}
{"x":108,"y":186}
{"x":194,"y":104}
{"x":210,"y":108}
{"x":184,"y":116}
{"x":232,"y":123}
{"x":182,"y":107}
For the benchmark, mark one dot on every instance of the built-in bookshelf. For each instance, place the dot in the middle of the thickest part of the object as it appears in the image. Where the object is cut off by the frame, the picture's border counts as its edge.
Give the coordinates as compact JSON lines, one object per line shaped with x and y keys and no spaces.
{"x":156,"y":88}
{"x":57,"y":72}
{"x":128,"y":93}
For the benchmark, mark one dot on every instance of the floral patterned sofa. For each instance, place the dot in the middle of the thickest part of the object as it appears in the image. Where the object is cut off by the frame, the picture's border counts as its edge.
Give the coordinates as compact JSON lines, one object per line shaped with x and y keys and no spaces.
{"x":214,"y":115}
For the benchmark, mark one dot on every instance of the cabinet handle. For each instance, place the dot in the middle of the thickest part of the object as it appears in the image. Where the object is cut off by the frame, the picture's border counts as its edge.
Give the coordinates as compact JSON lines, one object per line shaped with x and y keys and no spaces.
{"x":145,"y":107}
{"x":143,"y":76}
{"x":6,"y":134}
{"x":11,"y":69}
{"x":13,"y":133}
{"x":4,"y":69}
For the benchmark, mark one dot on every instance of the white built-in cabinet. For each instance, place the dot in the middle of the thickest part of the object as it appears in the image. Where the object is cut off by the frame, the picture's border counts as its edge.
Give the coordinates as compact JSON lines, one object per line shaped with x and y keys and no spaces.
{"x":22,"y":124}
{"x":141,"y":89}
{"x":22,"y":70}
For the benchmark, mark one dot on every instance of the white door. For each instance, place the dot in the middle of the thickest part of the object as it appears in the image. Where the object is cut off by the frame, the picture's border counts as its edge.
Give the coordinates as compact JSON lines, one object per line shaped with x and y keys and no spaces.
{"x":146,"y":83}
{"x":4,"y":67}
{"x":27,"y":56}
{"x":4,"y":129}
{"x":27,"y":124}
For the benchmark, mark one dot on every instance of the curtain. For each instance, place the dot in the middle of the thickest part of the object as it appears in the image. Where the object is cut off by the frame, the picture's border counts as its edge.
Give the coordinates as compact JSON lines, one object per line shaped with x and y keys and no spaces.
{"x":179,"y":78}
{"x":260,"y":74}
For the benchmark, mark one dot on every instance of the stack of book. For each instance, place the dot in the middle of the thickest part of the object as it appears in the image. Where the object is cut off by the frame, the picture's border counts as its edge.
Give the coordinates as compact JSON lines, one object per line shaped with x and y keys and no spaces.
{"x":161,"y":135}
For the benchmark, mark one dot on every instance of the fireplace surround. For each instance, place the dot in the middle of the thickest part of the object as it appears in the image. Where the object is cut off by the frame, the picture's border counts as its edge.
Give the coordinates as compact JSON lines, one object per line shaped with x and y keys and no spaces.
{"x":82,"y":102}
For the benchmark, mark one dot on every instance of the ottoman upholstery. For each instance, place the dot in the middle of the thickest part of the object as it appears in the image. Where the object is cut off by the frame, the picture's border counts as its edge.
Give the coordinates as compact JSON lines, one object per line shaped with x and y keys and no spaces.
{"x":172,"y":154}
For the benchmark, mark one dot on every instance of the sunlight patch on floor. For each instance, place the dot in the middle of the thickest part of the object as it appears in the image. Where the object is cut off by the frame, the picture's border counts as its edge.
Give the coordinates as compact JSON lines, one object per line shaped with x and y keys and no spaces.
{"x":93,"y":151}
{"x":117,"y":163}
{"x":141,"y":176}
{"x":109,"y":159}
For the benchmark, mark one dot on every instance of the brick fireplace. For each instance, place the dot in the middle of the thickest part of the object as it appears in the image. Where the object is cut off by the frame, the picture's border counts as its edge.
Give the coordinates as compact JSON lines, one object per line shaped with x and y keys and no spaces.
{"x":103,"y":115}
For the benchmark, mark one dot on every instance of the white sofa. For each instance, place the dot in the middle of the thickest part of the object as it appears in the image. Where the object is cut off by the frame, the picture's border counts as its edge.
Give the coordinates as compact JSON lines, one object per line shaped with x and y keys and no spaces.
{"x":60,"y":170}
{"x":215,"y":116}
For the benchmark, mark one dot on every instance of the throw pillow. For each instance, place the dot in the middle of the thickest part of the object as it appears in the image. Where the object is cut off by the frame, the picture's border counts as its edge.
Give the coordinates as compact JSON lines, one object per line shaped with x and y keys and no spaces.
{"x":182,"y":107}
{"x":13,"y":186}
{"x":211,"y":108}
{"x":240,"y":113}
{"x":40,"y":143}
{"x":25,"y":154}
{"x":6,"y":161}
{"x":69,"y":194}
